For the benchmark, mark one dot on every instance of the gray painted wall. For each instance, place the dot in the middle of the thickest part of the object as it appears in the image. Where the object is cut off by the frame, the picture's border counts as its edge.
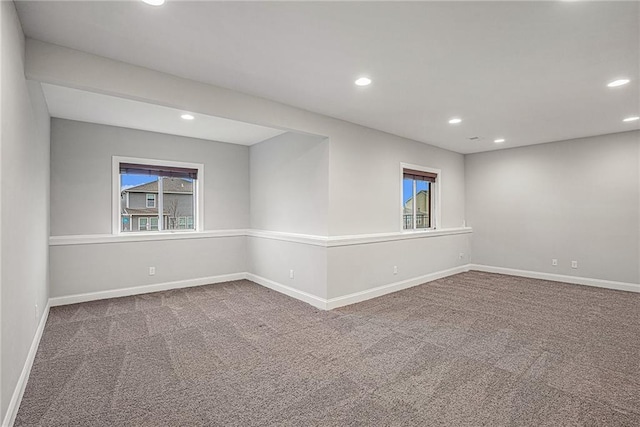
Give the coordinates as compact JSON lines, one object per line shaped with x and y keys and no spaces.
{"x":289,"y":184}
{"x":570,"y":200}
{"x":364,"y":181}
{"x":357,"y":268}
{"x":78,"y":269}
{"x":273,"y":260}
{"x":24,"y":202}
{"x":81,"y":165}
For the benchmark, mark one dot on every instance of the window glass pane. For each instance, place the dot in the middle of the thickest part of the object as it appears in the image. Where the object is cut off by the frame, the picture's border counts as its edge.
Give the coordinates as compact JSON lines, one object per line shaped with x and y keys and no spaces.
{"x":422,"y":204}
{"x":139,"y":198}
{"x":133,"y":201}
{"x":178,"y":202}
{"x":407,"y":204}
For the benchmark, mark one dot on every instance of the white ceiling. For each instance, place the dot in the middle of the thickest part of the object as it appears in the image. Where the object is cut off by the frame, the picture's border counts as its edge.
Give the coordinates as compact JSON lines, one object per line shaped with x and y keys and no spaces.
{"x":530,"y":72}
{"x":73,"y":104}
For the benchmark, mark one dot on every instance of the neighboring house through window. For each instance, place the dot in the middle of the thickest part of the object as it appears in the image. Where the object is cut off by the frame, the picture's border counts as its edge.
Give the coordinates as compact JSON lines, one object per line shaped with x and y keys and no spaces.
{"x":156,"y":195}
{"x":420,"y":197}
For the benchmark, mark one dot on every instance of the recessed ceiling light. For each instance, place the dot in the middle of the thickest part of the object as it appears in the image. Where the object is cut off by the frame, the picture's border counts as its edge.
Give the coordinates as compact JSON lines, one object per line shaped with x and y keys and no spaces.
{"x":619,"y":82}
{"x":154,"y":2}
{"x":631,"y":119}
{"x":455,"y":121}
{"x":363,"y":81}
{"x":187,"y":117}
{"x":499,"y":140}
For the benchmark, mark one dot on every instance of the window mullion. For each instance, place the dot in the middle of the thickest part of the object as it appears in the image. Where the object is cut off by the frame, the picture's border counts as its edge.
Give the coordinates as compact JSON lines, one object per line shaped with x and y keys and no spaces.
{"x":415,"y":204}
{"x":160,"y":205}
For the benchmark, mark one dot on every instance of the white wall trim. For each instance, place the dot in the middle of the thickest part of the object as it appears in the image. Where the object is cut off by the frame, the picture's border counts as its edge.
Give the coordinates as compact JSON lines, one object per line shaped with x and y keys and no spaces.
{"x":144,"y":289}
{"x":361,"y":239}
{"x":18,"y":392}
{"x":392,"y":287}
{"x":307,"y":239}
{"x":576,"y":280}
{"x":90,"y":239}
{"x":292,"y":292}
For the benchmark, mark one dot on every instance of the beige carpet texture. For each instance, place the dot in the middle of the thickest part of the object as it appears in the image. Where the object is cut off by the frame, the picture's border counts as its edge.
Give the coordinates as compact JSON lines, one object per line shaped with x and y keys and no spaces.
{"x":474,"y":349}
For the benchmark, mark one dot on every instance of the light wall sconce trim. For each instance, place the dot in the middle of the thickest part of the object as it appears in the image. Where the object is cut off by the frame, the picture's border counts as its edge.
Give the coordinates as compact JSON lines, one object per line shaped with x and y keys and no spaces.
{"x":499,"y":140}
{"x":455,"y":121}
{"x":363,"y":81}
{"x":631,"y":119}
{"x":187,"y":117}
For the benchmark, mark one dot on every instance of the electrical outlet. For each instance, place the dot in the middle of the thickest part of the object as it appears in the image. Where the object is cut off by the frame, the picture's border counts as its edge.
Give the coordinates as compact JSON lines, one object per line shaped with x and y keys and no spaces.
{"x":152,"y":271}
{"x":290,"y":274}
{"x":574,"y":264}
{"x":395,"y":269}
{"x":554,"y":262}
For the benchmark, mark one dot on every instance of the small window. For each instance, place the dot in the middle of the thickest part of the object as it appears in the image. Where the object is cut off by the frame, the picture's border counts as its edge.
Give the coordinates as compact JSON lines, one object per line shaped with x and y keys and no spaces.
{"x":419,"y":188}
{"x":182,"y":222}
{"x":156,"y":197}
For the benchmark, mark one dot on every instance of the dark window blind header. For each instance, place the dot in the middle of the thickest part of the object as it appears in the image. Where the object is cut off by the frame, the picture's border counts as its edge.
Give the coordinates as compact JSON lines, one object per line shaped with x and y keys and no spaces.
{"x":169,"y":171}
{"x":419,"y":175}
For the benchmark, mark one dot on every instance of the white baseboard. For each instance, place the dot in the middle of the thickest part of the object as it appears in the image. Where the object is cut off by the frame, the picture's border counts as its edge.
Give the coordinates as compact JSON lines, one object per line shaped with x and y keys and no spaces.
{"x":322,"y":303}
{"x":392,"y":287}
{"x":294,"y":293}
{"x":609,"y":284}
{"x":18,"y":392}
{"x":145,"y":289}
{"x":330,"y":304}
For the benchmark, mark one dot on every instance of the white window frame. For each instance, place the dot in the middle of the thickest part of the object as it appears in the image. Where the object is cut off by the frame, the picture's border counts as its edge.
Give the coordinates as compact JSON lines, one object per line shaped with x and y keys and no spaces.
{"x":146,"y":227}
{"x":434,"y":209}
{"x":116,"y":200}
{"x":146,"y":199}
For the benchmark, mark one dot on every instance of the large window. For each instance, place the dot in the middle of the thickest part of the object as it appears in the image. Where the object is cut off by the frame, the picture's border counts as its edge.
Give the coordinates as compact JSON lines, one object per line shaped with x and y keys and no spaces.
{"x":156,"y":196}
{"x":419,"y":197}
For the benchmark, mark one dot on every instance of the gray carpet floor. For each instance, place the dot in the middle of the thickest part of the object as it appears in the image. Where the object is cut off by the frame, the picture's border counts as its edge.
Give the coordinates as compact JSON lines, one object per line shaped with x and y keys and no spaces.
{"x":471,"y":349}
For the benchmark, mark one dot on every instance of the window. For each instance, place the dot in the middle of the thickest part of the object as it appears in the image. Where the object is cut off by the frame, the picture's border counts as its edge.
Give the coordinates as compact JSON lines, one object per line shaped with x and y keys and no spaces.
{"x":153,"y":195}
{"x":146,"y":224}
{"x":420,"y":197}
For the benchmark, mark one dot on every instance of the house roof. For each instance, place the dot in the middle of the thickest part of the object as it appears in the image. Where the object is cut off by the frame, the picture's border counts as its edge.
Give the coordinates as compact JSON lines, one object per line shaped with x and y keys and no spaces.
{"x":169,"y":185}
{"x":142,"y":211}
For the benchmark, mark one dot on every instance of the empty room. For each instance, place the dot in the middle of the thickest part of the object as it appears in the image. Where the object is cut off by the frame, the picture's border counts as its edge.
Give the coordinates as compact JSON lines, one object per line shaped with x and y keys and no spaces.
{"x":320,"y":213}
